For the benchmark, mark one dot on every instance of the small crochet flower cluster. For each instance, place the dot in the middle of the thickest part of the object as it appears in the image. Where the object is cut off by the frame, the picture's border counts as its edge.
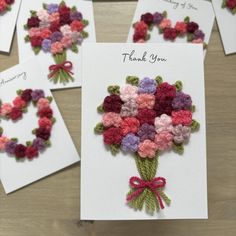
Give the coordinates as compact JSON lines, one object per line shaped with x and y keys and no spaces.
{"x":230,"y":5}
{"x":181,"y":29}
{"x":56,"y":28}
{"x":15,"y":112}
{"x":5,"y":5}
{"x":146,"y":117}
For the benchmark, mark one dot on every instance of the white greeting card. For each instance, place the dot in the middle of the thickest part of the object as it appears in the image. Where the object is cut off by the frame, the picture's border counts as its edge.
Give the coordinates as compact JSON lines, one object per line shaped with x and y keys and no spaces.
{"x":177,"y":11}
{"x":46,"y":59}
{"x":7,"y":26}
{"x":226,"y":22}
{"x":62,"y":152}
{"x":104,"y":177}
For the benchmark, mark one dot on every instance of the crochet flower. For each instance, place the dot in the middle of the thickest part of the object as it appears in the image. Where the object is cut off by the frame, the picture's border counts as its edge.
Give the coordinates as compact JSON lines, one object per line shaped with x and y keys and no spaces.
{"x":3,"y":142}
{"x":39,"y":144}
{"x":181,"y":27}
{"x":129,"y":108}
{"x":45,"y":123}
{"x":170,"y":34}
{"x":163,"y":141}
{"x":52,"y":8}
{"x":43,"y":103}
{"x":166,"y":23}
{"x":147,"y":149}
{"x":37,"y":94}
{"x":130,"y":143}
{"x":146,"y":116}
{"x":145,"y":101}
{"x":6,"y":109}
{"x":192,"y":27}
{"x":31,"y":152}
{"x":147,"y":18}
{"x":43,"y":15}
{"x":147,"y":85}
{"x":46,"y":45}
{"x":231,"y":4}
{"x":56,"y":36}
{"x":18,"y":102}
{"x":182,"y":101}
{"x":182,"y":117}
{"x":157,"y":18}
{"x":45,"y":112}
{"x":128,"y":92}
{"x":163,"y":123}
{"x":181,"y":134}
{"x":20,"y":151}
{"x":26,"y":95}
{"x":146,"y":131}
{"x":45,"y":33}
{"x":112,"y":103}
{"x":77,"y":26}
{"x":165,"y":90}
{"x":163,"y":106}
{"x":111,"y":119}
{"x":33,"y":22}
{"x":43,"y":133}
{"x":56,"y":48}
{"x":141,"y":29}
{"x":112,"y":136}
{"x":15,"y":114}
{"x":10,"y":147}
{"x":198,"y":34}
{"x":34,"y":32}
{"x":129,"y":125}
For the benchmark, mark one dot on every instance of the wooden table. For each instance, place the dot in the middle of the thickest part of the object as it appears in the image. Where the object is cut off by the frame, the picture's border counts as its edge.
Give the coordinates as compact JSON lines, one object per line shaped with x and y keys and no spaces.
{"x":52,"y":205}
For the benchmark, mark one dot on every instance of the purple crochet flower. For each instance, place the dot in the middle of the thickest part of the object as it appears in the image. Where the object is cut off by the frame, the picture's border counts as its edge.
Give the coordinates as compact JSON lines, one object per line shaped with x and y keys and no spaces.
{"x":37,"y":94}
{"x":146,"y":131}
{"x":181,"y":134}
{"x":198,"y":34}
{"x":157,"y":18}
{"x":56,"y":36}
{"x":130,"y":143}
{"x":182,"y":101}
{"x":10,"y":147}
{"x":75,"y":15}
{"x":39,"y":144}
{"x":147,"y":85}
{"x":52,"y":8}
{"x":46,"y":45}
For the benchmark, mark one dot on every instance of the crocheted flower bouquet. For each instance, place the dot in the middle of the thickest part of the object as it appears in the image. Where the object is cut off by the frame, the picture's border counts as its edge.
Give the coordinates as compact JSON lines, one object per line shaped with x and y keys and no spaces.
{"x":146,"y":117}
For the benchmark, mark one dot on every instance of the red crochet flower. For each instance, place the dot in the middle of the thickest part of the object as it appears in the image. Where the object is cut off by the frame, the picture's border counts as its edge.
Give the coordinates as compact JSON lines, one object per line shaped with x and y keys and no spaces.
{"x":130,"y":125}
{"x":165,"y":91}
{"x":192,"y":27}
{"x":182,"y":117}
{"x":63,"y":9}
{"x":33,"y":22}
{"x":146,"y":116}
{"x":15,"y":114}
{"x":112,"y":136}
{"x":45,"y":112}
{"x":231,"y":4}
{"x":43,"y":133}
{"x":36,"y":41}
{"x":147,"y":18}
{"x":26,"y":95}
{"x":170,"y":33}
{"x":137,"y":37}
{"x":65,"y":19}
{"x":141,"y":28}
{"x":20,"y":151}
{"x":9,"y":2}
{"x":112,"y":103}
{"x":163,"y":106}
{"x":55,"y":26}
{"x":31,"y":152}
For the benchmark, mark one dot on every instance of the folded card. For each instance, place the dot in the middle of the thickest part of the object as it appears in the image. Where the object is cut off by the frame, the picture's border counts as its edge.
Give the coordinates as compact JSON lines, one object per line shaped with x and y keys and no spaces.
{"x":226,"y":19}
{"x":54,"y":31}
{"x":8,"y":16}
{"x":139,"y":158}
{"x":159,"y":21}
{"x":34,"y":141}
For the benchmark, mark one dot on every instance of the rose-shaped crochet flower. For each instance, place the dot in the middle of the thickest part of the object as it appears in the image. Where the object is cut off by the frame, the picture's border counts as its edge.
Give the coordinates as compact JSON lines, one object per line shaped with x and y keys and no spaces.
{"x":6,"y":109}
{"x":181,"y":117}
{"x":166,"y":23}
{"x":163,"y":141}
{"x":45,"y":123}
{"x":112,"y":103}
{"x":165,"y":90}
{"x":3,"y":142}
{"x":43,"y":133}
{"x":163,"y":123}
{"x":31,"y":152}
{"x":18,"y":102}
{"x":45,"y":112}
{"x":182,"y":101}
{"x":112,"y":136}
{"x":147,"y":85}
{"x":181,"y":27}
{"x":10,"y":147}
{"x":192,"y":27}
{"x":15,"y":114}
{"x":146,"y":116}
{"x":111,"y":119}
{"x":147,"y":18}
{"x":129,"y":125}
{"x":128,"y":92}
{"x":147,"y":149}
{"x":163,"y":106}
{"x":129,"y":108}
{"x":157,"y":18}
{"x":170,"y":34}
{"x":5,"y":5}
{"x":181,"y":133}
{"x":146,"y":131}
{"x":145,"y":101}
{"x":43,"y":103}
{"x":20,"y":151}
{"x":130,"y":143}
{"x":141,"y":28}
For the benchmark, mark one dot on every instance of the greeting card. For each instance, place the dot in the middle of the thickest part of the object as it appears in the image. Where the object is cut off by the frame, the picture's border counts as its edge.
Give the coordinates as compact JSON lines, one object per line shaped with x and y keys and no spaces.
{"x":143,"y":141}
{"x":159,"y":21}
{"x":54,"y":31}
{"x":8,"y":16}
{"x":34,"y":141}
{"x":226,"y":18}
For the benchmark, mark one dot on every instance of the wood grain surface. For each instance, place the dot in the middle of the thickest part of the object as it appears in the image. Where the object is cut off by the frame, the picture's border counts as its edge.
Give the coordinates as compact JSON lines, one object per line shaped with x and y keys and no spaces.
{"x":51,"y":206}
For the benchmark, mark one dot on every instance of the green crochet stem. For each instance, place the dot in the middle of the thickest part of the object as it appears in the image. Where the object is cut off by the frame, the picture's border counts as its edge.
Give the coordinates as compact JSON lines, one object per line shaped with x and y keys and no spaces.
{"x":147,"y":169}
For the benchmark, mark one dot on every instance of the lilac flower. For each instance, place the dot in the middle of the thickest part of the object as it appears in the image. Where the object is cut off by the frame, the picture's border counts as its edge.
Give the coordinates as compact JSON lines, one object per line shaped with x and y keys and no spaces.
{"x":181,"y":134}
{"x":39,"y":144}
{"x":75,"y":15}
{"x":147,"y":85}
{"x":146,"y":131}
{"x":157,"y":18}
{"x":52,"y":8}
{"x":182,"y":101}
{"x":10,"y":147}
{"x":46,"y":45}
{"x":56,"y":36}
{"x":37,"y":94}
{"x":129,"y":108}
{"x":198,"y":34}
{"x":44,"y":24}
{"x":130,"y":143}
{"x":76,"y":37}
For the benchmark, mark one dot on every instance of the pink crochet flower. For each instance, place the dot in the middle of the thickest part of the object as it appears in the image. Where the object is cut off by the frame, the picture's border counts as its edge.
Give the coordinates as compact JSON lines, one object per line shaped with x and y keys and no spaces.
{"x":166,"y":23}
{"x":111,"y":119}
{"x":128,"y":92}
{"x":18,"y":102}
{"x":163,"y":141}
{"x":66,"y":30}
{"x":182,"y":117}
{"x":181,"y":27}
{"x":66,"y":41}
{"x":43,"y":15}
{"x":163,"y":123}
{"x":45,"y":123}
{"x":129,"y":125}
{"x":77,"y":26}
{"x":181,"y":133}
{"x":145,"y":101}
{"x":34,"y":32}
{"x":3,"y":141}
{"x":129,"y":108}
{"x":197,"y":41}
{"x":45,"y":33}
{"x":3,"y":5}
{"x":54,"y":17}
{"x":6,"y":109}
{"x":56,"y":47}
{"x":147,"y":149}
{"x":43,"y":103}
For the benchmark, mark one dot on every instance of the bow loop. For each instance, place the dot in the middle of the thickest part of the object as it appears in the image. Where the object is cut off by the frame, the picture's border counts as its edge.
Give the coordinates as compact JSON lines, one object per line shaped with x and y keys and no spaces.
{"x":66,"y":66}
